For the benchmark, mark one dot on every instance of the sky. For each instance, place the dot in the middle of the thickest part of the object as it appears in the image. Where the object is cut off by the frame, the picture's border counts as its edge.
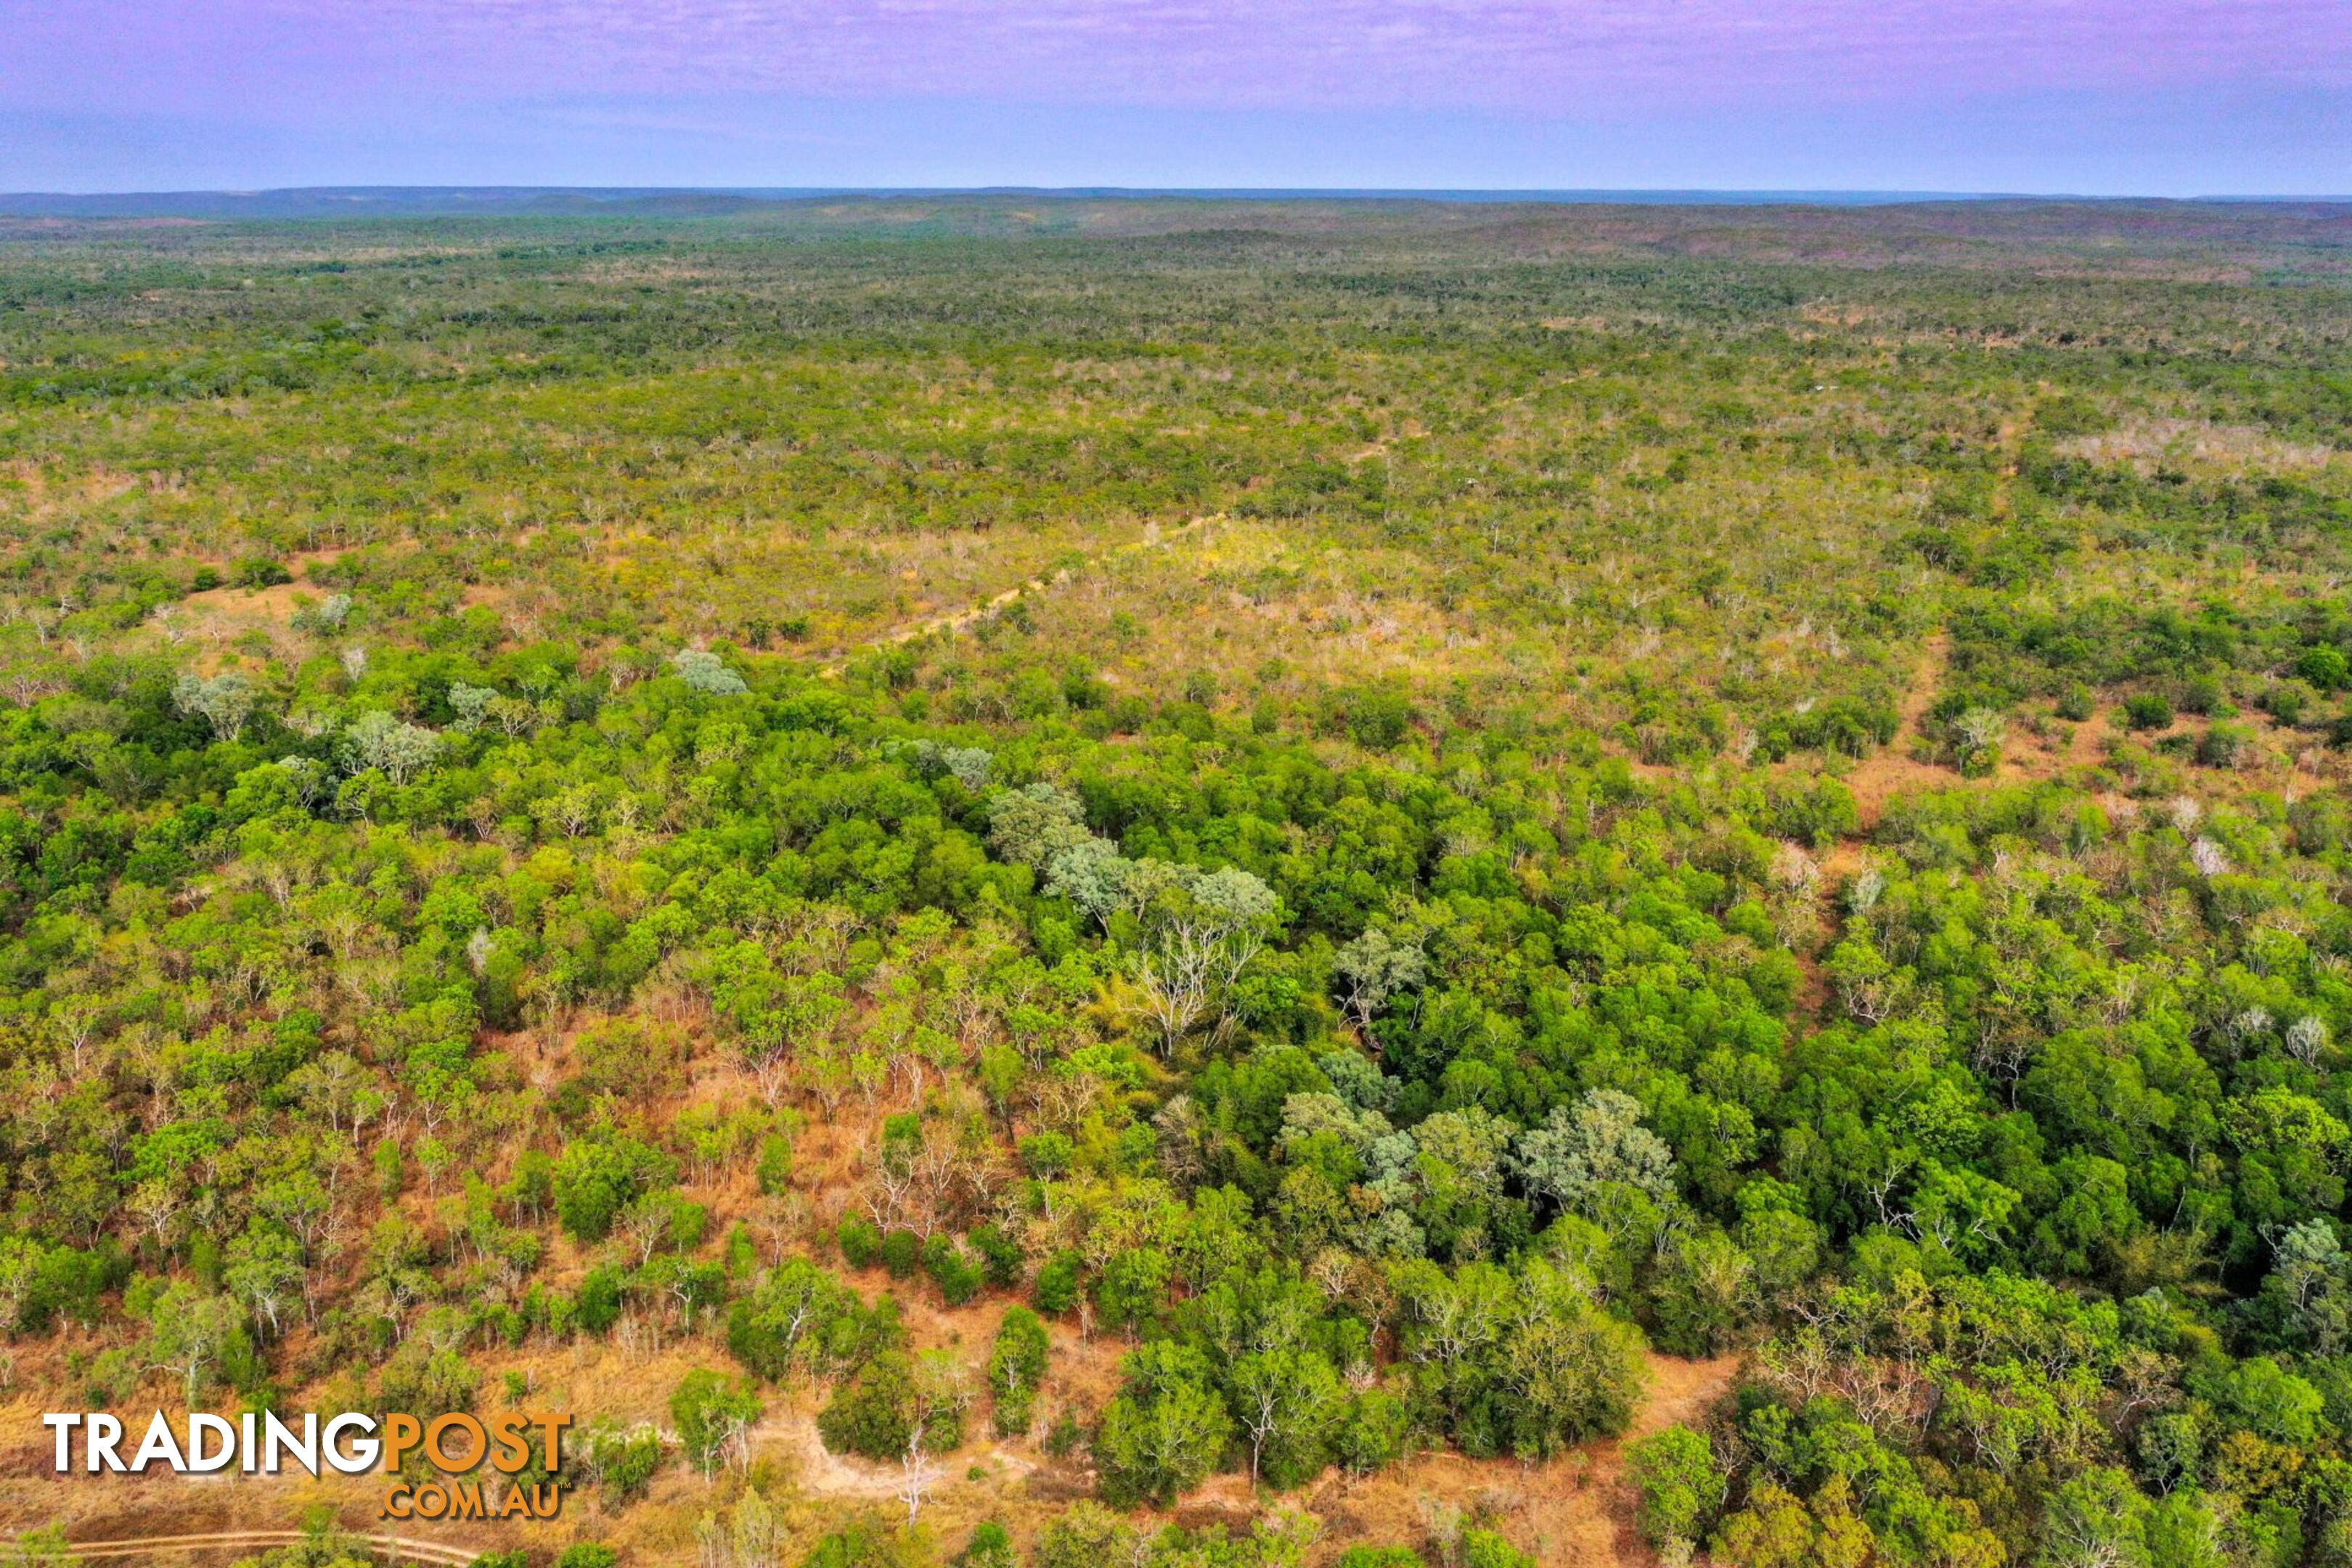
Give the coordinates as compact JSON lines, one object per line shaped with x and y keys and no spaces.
{"x":2096,"y":97}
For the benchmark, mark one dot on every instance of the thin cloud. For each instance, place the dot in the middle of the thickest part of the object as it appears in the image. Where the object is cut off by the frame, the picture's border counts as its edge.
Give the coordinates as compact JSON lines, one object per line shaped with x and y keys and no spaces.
{"x":1580,"y":57}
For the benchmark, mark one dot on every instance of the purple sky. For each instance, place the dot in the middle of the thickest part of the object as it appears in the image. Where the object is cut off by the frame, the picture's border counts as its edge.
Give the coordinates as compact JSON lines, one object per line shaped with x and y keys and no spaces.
{"x":2166,"y":96}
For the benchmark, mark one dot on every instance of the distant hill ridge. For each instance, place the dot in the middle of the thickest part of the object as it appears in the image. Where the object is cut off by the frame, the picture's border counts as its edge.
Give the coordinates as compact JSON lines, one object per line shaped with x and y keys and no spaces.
{"x":422,"y":201}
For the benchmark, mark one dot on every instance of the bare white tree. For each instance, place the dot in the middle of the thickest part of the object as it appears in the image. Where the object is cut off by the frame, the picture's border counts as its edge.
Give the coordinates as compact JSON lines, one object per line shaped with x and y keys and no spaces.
{"x":1200,"y":932}
{"x":223,"y":702}
{"x":918,"y":1473}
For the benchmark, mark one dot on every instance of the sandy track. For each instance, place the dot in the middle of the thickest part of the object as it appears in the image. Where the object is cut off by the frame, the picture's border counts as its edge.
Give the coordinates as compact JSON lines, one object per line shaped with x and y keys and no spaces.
{"x":956,"y":620}
{"x":396,"y":1547}
{"x":824,"y":1473}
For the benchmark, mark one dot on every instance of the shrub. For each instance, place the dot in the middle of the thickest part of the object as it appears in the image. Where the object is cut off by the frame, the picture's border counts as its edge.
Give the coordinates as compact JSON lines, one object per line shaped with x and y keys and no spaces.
{"x":876,"y":1414}
{"x":2147,"y":710}
{"x":861,"y":1242}
{"x":957,"y":1276}
{"x":1699,"y":1294}
{"x":1679,"y":1486}
{"x":598,"y":1305}
{"x":705,"y":672}
{"x":1485,"y":1549}
{"x":1379,"y":719}
{"x":687,"y":1224}
{"x":595,"y":1179}
{"x":1047,"y":1155}
{"x":1088,"y":1536}
{"x":2325,"y":668}
{"x":624,"y":1463}
{"x":1017,"y":1367}
{"x":1059,"y":1281}
{"x":866,"y":1543}
{"x":2286,"y":701}
{"x":775,"y":1169}
{"x":1000,"y":1256}
{"x":872,"y":1414}
{"x":901,"y":1253}
{"x":1373,"y":1434}
{"x":48,"y":1282}
{"x":391,"y":1173}
{"x":991,"y":1546}
{"x":2224,"y":745}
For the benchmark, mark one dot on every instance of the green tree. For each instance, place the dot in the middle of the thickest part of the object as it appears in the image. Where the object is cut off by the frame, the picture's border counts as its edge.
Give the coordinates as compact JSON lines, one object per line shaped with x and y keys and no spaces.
{"x":1288,"y":1401}
{"x":1167,"y":1429}
{"x":265,"y":1271}
{"x":595,"y":1179}
{"x":793,"y":1319}
{"x":44,"y":1546}
{"x":1598,"y":1141}
{"x":201,"y":1337}
{"x":1016,"y":1369}
{"x":1486,"y":1548}
{"x":1088,"y":1535}
{"x":2097,"y":1519}
{"x":1576,"y":1373}
{"x":1679,"y":1486}
{"x":712,"y":1418}
{"x":872,"y":1414}
{"x":1702,"y":1293}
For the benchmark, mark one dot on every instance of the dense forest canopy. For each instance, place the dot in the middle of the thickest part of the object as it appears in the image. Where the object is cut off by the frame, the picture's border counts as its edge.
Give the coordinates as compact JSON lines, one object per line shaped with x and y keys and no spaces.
{"x":1066,"y":881}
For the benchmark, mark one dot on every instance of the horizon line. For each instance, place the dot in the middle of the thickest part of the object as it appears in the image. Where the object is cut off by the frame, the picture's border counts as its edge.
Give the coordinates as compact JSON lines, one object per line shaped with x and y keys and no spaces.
{"x":356,"y":198}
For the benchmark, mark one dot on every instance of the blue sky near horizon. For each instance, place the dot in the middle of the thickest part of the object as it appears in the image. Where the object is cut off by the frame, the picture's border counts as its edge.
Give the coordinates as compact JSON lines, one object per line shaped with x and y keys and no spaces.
{"x":2094,"y":97}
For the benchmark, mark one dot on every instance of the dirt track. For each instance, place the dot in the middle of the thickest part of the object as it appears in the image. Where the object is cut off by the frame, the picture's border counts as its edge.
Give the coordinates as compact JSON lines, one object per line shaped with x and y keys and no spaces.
{"x":956,"y":620}
{"x":397,"y":1548}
